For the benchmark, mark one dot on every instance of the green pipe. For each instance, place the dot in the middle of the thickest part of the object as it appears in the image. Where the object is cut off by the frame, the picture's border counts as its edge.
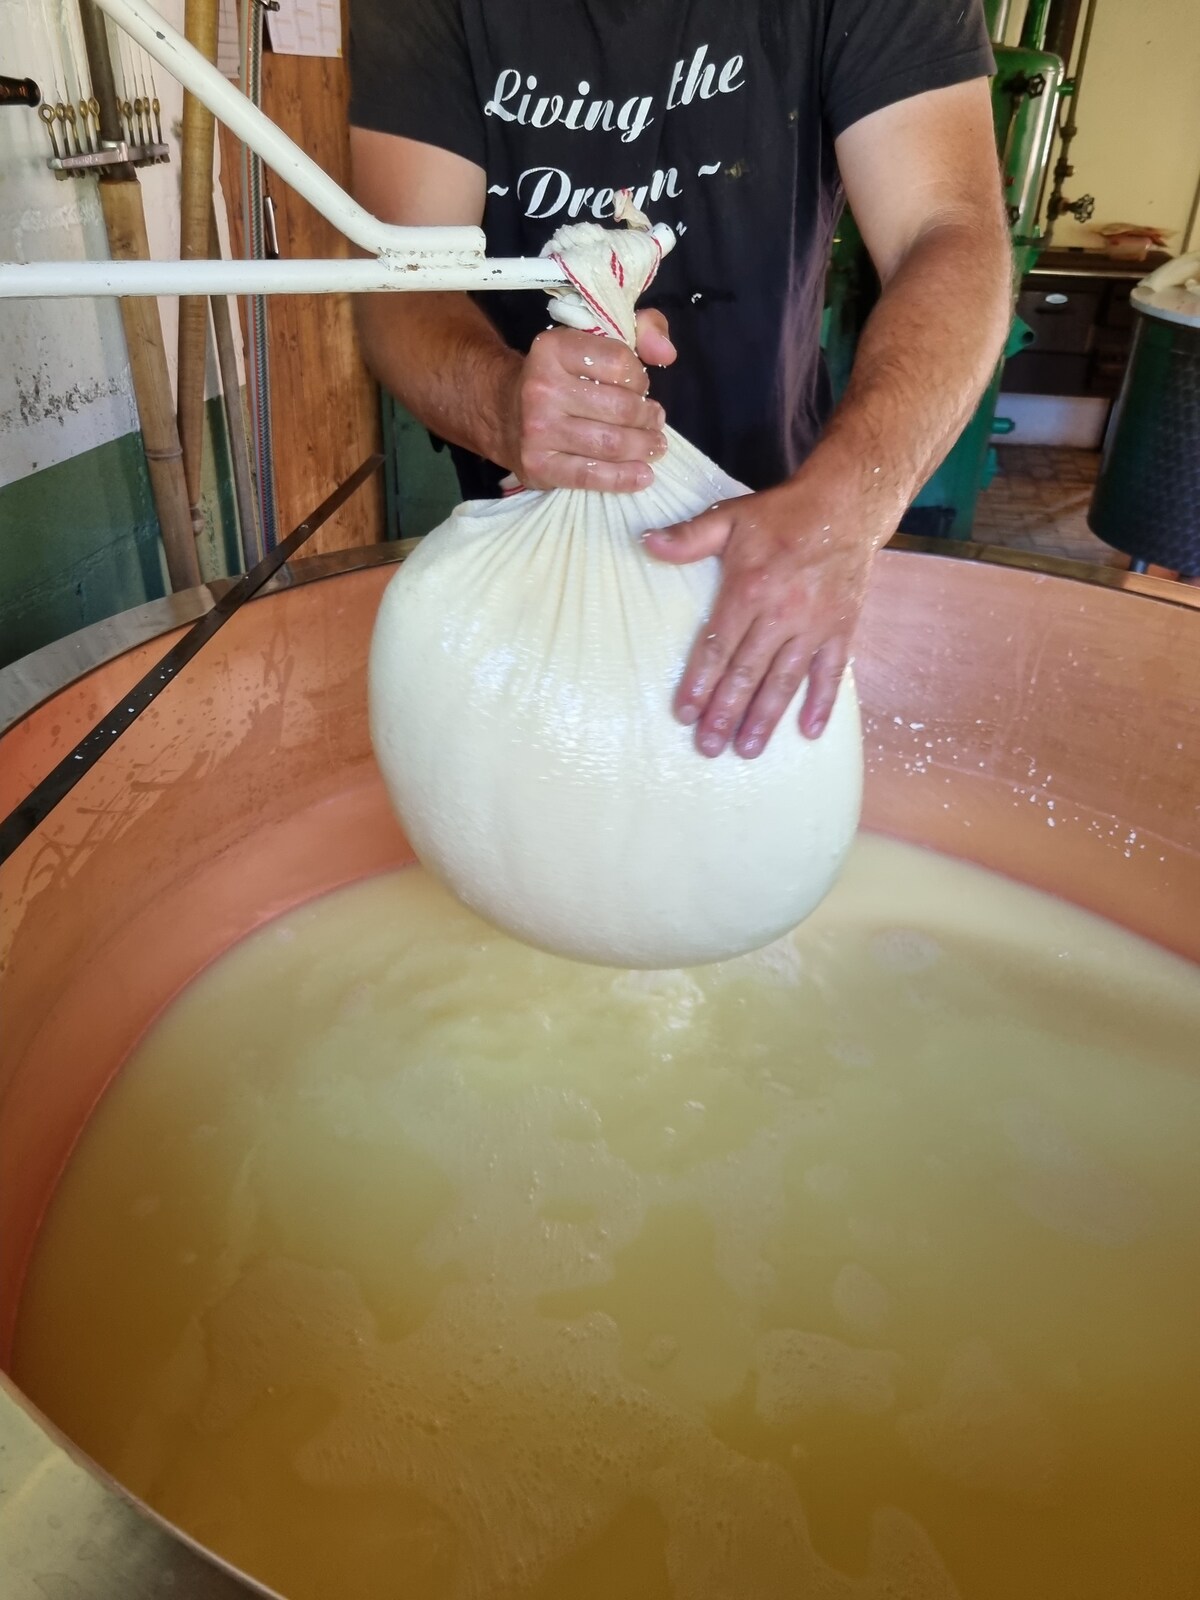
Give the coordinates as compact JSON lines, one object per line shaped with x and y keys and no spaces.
{"x":996,"y":15}
{"x":1029,"y":120}
{"x":1033,"y":29}
{"x":1066,"y":136}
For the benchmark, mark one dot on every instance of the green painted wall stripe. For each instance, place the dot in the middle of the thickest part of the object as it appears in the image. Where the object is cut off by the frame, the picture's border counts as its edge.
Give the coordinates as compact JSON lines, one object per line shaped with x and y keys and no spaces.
{"x":79,"y":540}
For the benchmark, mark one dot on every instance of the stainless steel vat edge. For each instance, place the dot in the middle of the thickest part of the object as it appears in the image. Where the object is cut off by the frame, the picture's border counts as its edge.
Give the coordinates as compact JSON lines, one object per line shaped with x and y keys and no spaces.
{"x":69,"y":1532}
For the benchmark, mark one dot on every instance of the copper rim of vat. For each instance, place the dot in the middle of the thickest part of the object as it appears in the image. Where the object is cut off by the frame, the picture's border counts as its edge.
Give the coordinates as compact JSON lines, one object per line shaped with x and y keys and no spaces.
{"x":1037,"y":717}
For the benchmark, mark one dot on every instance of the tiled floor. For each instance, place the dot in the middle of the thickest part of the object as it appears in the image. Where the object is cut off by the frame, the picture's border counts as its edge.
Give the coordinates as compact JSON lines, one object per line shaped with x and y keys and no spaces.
{"x":1038,"y":501}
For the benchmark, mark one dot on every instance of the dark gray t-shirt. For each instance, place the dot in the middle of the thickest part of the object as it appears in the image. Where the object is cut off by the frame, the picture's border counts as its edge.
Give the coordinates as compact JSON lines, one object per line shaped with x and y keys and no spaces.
{"x":720,"y":115}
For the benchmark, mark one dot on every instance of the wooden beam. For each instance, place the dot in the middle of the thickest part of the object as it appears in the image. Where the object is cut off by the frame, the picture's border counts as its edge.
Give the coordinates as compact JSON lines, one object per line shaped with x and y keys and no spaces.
{"x":125,"y":223}
{"x":326,"y":404}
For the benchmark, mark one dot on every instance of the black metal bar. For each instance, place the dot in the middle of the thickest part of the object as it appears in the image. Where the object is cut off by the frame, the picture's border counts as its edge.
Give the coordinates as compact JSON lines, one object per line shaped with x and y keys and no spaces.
{"x":1070,"y":127}
{"x":56,"y":785}
{"x":1061,"y":28}
{"x":100,"y":70}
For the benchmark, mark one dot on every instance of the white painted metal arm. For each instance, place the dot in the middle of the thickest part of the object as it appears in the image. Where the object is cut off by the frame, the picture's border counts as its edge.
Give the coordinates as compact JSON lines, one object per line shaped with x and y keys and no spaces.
{"x":73,"y":280}
{"x":403,"y":258}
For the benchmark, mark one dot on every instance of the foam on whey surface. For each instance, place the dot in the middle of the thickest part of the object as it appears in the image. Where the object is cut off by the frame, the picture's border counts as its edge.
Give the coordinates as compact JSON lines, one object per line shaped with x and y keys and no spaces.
{"x":402,"y":1259}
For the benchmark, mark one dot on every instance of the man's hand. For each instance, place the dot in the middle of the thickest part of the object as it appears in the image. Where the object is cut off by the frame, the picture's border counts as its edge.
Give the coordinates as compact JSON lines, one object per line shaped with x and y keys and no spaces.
{"x":796,"y":561}
{"x":579,"y":414}
{"x":570,"y":414}
{"x":921,"y":179}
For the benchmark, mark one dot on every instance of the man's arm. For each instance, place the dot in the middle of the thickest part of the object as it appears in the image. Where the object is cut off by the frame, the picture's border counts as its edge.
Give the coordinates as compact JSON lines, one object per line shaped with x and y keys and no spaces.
{"x":573,"y":413}
{"x":921,"y":178}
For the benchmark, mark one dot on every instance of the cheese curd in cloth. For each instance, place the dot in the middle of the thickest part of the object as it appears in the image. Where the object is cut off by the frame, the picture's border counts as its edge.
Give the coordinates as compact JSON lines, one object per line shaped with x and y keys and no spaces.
{"x":522,"y":672}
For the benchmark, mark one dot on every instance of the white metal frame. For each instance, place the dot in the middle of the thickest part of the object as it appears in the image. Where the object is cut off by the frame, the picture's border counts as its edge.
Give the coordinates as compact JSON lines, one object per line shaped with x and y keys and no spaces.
{"x":400,"y":258}
{"x":1173,"y":292}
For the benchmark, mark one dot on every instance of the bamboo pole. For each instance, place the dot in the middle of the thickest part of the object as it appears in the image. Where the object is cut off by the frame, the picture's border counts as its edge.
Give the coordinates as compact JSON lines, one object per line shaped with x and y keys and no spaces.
{"x":235,"y":417}
{"x":200,"y":23}
{"x":125,"y":223}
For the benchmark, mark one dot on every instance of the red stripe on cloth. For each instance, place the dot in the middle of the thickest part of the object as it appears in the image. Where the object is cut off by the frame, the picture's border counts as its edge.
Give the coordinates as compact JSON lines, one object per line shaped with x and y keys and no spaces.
{"x":654,"y":266}
{"x":589,"y":299}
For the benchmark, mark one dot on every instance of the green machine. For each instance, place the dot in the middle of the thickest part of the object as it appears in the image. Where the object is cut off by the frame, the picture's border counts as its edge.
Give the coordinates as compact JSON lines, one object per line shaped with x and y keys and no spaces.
{"x":1027,"y":90}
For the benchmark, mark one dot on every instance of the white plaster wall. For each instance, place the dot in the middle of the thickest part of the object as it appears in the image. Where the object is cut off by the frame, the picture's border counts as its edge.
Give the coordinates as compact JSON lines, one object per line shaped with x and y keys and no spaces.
{"x":64,"y":376}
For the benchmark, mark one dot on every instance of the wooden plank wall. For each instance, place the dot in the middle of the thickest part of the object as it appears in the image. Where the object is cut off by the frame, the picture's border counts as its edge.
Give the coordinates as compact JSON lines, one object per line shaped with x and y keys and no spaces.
{"x":325,"y":403}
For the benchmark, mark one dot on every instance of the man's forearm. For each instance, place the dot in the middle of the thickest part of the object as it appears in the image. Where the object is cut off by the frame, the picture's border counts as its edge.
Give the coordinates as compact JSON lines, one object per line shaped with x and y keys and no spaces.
{"x":444,"y":361}
{"x":925,"y":356}
{"x":573,"y":413}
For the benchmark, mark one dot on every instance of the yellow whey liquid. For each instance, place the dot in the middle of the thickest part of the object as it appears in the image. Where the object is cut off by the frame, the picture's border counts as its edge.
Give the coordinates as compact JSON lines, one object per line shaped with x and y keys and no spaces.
{"x":405,"y":1263}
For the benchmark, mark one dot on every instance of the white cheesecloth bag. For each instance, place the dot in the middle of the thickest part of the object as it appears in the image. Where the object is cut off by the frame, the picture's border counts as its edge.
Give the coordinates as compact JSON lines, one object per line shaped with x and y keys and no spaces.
{"x":522,"y":671}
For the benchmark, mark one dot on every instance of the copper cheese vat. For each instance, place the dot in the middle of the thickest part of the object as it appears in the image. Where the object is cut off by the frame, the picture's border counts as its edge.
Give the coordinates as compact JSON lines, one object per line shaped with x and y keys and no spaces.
{"x":249,"y":785}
